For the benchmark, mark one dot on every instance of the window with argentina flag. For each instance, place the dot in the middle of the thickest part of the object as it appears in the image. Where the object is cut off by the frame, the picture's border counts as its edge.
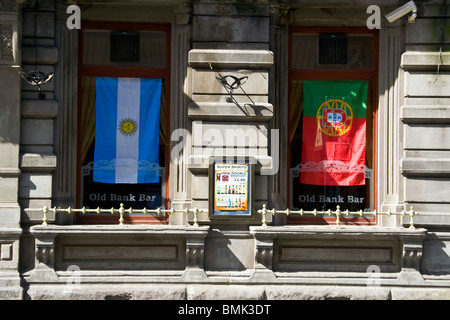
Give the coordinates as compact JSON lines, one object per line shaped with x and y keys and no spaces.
{"x":123,"y":120}
{"x":124,"y":162}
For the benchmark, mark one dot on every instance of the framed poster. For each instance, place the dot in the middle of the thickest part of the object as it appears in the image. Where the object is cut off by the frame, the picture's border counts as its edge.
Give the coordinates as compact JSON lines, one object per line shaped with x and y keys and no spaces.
{"x":231,"y":193}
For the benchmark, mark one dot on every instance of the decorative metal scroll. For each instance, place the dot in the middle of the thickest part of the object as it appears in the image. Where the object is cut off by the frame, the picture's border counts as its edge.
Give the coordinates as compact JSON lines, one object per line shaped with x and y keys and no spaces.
{"x":37,"y":78}
{"x":231,"y":83}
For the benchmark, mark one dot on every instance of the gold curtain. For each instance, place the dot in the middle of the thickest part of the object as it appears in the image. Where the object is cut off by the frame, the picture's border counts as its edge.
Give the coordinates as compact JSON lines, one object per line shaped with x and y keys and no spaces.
{"x":87,"y":116}
{"x":295,"y":107}
{"x":162,"y":115}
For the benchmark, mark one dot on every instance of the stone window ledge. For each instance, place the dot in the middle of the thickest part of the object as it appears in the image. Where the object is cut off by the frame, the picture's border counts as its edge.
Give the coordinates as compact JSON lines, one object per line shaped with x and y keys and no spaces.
{"x":293,"y":249}
{"x":111,"y":247}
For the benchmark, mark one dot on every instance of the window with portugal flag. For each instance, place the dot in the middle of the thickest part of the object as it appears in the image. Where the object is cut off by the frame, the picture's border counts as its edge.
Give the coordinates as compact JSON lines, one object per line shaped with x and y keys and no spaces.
{"x":331,"y":120}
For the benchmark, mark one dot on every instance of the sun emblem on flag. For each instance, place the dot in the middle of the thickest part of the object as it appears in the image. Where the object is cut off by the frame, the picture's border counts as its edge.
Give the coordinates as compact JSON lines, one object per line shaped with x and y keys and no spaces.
{"x":334,"y":117}
{"x":127,"y":126}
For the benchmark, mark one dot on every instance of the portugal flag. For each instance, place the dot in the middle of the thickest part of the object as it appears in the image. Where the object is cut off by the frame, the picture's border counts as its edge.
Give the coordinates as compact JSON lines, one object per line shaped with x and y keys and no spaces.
{"x":334,"y":133}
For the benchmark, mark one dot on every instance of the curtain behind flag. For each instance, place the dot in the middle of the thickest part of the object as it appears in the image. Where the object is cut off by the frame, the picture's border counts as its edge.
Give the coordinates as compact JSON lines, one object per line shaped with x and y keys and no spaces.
{"x":127,"y":130}
{"x":334,"y":133}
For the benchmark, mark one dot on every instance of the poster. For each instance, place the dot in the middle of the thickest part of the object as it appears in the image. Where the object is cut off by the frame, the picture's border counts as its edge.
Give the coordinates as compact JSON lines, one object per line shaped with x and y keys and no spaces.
{"x":231,"y":189}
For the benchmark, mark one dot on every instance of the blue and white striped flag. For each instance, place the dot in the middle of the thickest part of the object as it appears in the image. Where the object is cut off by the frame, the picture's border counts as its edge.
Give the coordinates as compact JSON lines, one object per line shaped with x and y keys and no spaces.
{"x":127,"y":130}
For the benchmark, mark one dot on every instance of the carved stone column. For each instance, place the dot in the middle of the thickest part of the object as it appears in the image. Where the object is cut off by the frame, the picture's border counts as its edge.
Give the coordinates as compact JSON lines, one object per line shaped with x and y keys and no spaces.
{"x":64,"y":193}
{"x":278,"y":94}
{"x":195,"y":254}
{"x":390,"y":183}
{"x":180,"y":194}
{"x":45,"y":257}
{"x":412,"y":254}
{"x":263,"y":254}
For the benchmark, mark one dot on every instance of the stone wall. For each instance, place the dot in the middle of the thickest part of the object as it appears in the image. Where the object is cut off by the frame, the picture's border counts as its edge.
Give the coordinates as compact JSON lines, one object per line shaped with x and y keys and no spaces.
{"x":245,"y":40}
{"x":10,"y":135}
{"x":425,"y":117}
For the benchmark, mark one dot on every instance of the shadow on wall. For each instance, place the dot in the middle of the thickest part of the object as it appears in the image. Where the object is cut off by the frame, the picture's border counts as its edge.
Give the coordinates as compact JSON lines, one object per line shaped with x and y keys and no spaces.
{"x":27,"y":186}
{"x":228,"y":252}
{"x":436,"y":255}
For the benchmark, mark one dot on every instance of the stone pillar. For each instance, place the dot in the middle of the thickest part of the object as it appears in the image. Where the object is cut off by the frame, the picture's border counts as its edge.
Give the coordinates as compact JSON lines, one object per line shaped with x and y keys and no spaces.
{"x":263,"y":254}
{"x":412,"y":254}
{"x":279,"y":94}
{"x":10,"y":30}
{"x":390,"y":181}
{"x":65,"y":136}
{"x":230,"y":41}
{"x":425,"y":115}
{"x":195,"y":256}
{"x":45,"y":257}
{"x":38,"y":114}
{"x":180,"y":177}
{"x":38,"y":160}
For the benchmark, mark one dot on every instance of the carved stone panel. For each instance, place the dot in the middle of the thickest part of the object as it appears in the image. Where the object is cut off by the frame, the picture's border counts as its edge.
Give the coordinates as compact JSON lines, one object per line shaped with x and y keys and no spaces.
{"x":6,"y":42}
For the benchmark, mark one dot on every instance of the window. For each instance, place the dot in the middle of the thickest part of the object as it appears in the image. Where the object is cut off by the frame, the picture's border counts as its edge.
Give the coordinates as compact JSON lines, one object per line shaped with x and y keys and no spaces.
{"x":332,"y":108}
{"x":123,"y":119}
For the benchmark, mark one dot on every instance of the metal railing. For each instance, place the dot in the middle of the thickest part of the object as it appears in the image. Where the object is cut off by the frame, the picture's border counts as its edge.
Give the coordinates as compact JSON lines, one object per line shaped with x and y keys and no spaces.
{"x":338,"y":213}
{"x":121,"y":211}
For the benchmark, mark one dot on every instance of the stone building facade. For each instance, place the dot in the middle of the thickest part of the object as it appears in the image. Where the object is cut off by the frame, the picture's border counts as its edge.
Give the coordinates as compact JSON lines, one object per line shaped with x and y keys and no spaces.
{"x":231,"y":72}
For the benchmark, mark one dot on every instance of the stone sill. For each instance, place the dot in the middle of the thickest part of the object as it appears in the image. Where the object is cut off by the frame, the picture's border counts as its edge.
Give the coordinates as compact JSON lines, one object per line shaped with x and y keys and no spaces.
{"x":40,"y":55}
{"x":423,"y":61}
{"x":45,"y":109}
{"x":332,"y":230}
{"x":54,"y":230}
{"x":433,"y":220}
{"x":111,"y":276}
{"x":216,"y":111}
{"x":223,"y":59}
{"x":35,"y":162}
{"x":425,"y":167}
{"x":425,"y":114}
{"x":10,"y":233}
{"x":9,"y":172}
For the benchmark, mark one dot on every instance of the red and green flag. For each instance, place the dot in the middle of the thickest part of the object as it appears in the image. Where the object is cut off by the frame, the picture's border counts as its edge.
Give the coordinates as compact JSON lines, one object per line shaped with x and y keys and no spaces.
{"x":334,"y":133}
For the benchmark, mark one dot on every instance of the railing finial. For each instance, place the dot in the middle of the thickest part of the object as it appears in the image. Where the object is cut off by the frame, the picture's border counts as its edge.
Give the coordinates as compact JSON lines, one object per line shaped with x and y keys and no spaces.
{"x":44,"y":220}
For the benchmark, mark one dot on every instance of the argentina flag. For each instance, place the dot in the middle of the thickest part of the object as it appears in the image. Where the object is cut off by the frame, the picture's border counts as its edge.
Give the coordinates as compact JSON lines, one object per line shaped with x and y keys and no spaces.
{"x":127,"y":130}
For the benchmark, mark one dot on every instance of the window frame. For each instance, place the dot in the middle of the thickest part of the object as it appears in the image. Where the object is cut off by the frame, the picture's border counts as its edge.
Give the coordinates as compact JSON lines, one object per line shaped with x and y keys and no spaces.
{"x":164,"y":73}
{"x":370,"y":75}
